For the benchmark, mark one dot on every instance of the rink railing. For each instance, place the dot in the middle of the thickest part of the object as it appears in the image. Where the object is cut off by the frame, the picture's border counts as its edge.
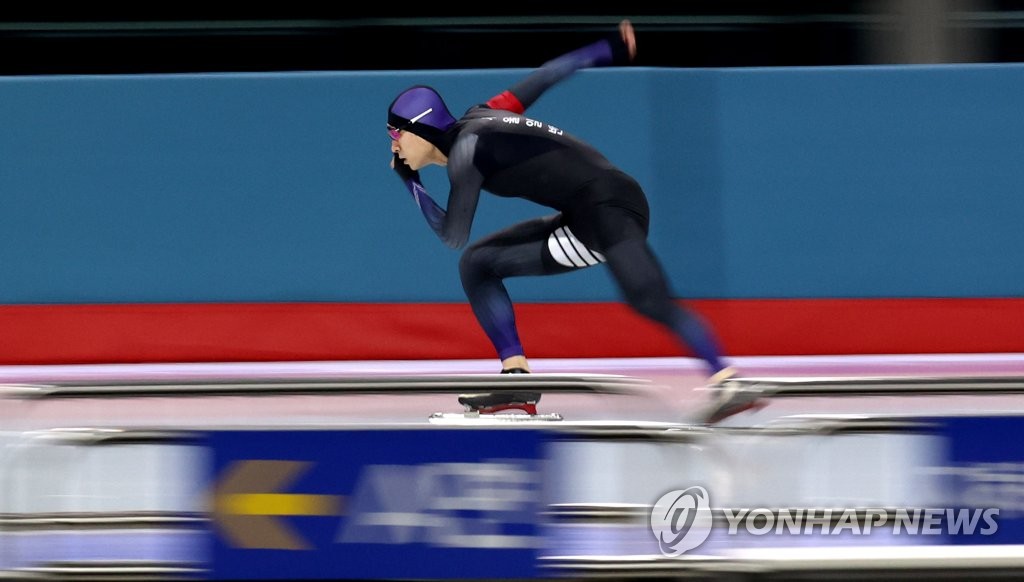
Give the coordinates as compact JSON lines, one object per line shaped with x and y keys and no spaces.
{"x":998,"y":560}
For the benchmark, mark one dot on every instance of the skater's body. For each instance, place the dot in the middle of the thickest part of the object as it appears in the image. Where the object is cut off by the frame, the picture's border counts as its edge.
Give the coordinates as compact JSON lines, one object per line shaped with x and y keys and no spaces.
{"x":601,"y":215}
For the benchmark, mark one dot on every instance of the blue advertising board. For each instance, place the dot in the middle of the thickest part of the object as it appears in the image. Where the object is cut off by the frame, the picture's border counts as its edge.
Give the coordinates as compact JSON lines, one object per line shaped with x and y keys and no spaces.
{"x":984,"y":468}
{"x":375,"y":503}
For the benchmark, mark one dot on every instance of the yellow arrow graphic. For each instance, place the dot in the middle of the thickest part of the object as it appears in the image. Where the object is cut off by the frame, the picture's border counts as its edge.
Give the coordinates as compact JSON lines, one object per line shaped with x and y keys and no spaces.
{"x":278,"y":504}
{"x":247,"y":504}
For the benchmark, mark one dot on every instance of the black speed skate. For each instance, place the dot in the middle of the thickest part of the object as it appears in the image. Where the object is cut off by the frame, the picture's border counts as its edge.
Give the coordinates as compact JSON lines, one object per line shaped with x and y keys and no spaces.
{"x":491,"y":402}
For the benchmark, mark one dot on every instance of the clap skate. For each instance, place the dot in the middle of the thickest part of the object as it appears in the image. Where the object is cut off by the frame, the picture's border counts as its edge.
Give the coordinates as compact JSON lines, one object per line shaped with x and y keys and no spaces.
{"x":496,"y":407}
{"x":497,"y":402}
{"x":513,"y":395}
{"x":491,"y":403}
{"x":500,"y":406}
{"x":731,"y":397}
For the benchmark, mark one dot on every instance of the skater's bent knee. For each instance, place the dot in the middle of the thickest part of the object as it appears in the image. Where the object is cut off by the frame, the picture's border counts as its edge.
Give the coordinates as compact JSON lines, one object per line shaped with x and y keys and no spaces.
{"x":651,"y":305}
{"x":474,"y":260}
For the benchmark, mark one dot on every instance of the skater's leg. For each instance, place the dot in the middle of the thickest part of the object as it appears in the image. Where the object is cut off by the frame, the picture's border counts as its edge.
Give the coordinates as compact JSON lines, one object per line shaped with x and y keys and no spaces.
{"x":618,"y":226}
{"x":517,"y":251}
{"x":645,"y":288}
{"x":543,"y":246}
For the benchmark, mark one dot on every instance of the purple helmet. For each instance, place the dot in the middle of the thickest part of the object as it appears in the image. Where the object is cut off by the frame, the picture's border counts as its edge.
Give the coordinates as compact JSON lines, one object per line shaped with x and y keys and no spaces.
{"x":420,"y":110}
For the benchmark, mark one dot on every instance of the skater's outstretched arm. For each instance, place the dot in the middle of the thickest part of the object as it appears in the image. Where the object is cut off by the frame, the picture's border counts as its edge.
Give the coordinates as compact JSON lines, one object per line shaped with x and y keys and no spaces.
{"x":453,"y":225}
{"x":617,"y":49}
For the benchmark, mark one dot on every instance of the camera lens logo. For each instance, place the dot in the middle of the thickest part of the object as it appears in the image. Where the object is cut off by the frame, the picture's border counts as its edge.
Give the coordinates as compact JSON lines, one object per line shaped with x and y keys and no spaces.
{"x":681,"y":520}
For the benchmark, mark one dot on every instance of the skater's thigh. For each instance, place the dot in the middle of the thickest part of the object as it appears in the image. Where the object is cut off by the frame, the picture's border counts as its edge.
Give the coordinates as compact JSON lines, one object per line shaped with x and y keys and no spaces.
{"x":526,"y":232}
{"x":604,"y":226}
{"x":523,"y":249}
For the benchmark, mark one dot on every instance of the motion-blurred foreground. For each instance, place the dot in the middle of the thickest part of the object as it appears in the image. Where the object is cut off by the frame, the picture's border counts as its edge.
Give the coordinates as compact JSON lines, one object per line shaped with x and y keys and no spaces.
{"x":857,"y":467}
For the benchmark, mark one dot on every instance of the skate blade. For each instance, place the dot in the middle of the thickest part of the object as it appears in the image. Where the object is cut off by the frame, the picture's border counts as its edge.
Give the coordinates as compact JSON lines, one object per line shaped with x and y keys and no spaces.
{"x":475,"y":418}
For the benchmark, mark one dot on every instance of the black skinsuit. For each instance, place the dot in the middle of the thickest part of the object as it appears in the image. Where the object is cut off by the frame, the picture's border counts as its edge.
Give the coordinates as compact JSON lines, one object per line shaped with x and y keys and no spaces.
{"x":601,"y":215}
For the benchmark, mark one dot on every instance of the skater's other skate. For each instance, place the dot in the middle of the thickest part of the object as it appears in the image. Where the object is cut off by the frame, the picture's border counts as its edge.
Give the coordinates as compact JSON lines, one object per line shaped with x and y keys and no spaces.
{"x":730,"y":397}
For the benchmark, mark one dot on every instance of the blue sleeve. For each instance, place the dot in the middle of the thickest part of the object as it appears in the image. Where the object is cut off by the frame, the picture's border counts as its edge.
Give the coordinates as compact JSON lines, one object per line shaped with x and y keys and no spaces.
{"x":451,"y":225}
{"x":430,"y":209}
{"x":411,"y":178}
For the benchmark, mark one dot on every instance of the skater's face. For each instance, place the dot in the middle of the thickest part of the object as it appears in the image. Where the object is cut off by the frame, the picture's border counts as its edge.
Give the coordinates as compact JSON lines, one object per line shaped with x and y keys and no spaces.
{"x":416,"y":151}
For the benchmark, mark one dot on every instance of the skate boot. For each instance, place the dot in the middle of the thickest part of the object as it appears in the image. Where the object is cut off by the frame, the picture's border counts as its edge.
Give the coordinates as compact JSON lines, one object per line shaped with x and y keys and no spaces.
{"x":730,"y":397}
{"x":489,"y":403}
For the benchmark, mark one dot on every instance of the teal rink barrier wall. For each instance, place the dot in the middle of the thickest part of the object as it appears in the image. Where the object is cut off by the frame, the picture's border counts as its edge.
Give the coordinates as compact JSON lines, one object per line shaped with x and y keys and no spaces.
{"x":764,"y":183}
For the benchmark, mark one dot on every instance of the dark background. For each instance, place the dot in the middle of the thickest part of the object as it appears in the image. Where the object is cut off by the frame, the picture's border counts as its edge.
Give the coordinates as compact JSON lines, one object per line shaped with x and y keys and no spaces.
{"x":391,"y":36}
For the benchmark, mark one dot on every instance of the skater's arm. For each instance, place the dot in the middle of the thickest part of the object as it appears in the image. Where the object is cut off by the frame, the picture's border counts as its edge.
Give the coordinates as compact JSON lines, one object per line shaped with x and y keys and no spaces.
{"x":452,"y":226}
{"x":466,"y":181}
{"x":617,"y":49}
{"x":411,"y":178}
